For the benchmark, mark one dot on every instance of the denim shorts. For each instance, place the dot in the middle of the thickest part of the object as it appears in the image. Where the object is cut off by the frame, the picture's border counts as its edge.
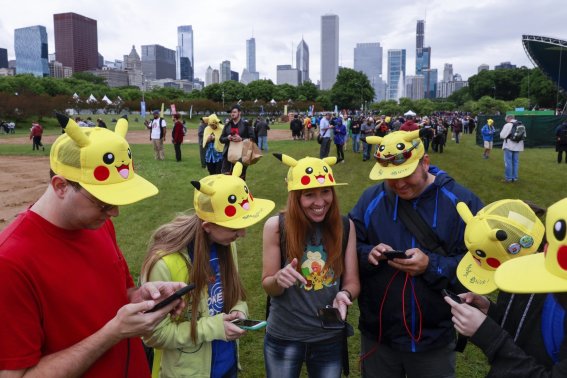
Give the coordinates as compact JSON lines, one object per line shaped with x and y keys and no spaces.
{"x":284,"y":358}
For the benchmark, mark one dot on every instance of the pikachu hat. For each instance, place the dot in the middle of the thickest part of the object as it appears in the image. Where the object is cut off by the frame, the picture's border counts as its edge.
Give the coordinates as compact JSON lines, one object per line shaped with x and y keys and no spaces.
{"x":309,"y":172}
{"x":227,"y":201}
{"x":543,"y":272}
{"x":397,"y":156}
{"x":100,"y":160}
{"x":501,"y":231}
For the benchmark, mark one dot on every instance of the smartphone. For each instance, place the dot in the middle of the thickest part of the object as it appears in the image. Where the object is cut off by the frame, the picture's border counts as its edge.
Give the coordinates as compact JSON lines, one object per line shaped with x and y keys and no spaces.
{"x":453,"y":296}
{"x":173,"y":297}
{"x":395,"y":255}
{"x":330,"y":318}
{"x":250,"y":324}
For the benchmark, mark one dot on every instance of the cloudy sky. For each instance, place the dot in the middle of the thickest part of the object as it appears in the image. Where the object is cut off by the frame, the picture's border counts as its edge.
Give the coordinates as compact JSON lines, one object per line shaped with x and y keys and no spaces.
{"x":465,"y":33}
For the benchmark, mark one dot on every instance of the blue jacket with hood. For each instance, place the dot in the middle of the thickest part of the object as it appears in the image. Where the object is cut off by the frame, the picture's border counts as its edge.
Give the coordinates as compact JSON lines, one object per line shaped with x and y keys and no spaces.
{"x":409,"y":313}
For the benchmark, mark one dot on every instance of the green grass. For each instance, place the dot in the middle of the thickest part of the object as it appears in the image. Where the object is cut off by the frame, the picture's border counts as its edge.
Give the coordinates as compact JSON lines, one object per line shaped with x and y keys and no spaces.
{"x":541,"y":181}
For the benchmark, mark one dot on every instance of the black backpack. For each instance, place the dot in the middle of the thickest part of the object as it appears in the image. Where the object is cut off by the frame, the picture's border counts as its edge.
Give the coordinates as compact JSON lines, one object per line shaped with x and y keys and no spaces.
{"x":562,"y":135}
{"x":518,"y":132}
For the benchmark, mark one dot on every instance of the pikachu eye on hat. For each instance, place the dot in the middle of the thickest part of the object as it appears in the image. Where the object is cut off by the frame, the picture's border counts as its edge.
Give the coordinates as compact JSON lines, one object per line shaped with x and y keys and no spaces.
{"x":397,"y":156}
{"x":501,"y":231}
{"x":309,"y":172}
{"x":100,"y":160}
{"x":227,"y":201}
{"x":542,"y":272}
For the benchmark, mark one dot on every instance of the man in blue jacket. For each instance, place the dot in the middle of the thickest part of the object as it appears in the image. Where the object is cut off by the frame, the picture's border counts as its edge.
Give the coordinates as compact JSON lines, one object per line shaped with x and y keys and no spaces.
{"x":405,"y":324}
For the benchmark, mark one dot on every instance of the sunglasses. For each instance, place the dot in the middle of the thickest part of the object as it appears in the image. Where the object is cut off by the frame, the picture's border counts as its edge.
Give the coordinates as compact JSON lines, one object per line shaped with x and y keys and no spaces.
{"x":102,"y":206}
{"x":397,"y":159}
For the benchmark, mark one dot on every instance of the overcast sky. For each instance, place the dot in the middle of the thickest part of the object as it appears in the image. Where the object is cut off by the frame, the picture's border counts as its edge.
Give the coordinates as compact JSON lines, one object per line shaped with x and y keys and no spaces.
{"x":465,"y":33}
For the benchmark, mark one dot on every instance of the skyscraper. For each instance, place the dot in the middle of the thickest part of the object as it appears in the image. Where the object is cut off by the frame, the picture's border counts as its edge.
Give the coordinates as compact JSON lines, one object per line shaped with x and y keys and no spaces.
{"x":31,"y":50}
{"x":224,"y":71}
{"x":483,"y":67}
{"x":158,"y":62}
{"x":329,"y":50}
{"x":302,"y":61}
{"x":185,"y":65}
{"x":251,"y":55}
{"x":422,"y":54}
{"x":76,"y":41}
{"x":430,"y":82}
{"x":3,"y":58}
{"x":368,"y":60}
{"x":396,"y":73}
{"x":208,"y":76}
{"x":448,"y":72}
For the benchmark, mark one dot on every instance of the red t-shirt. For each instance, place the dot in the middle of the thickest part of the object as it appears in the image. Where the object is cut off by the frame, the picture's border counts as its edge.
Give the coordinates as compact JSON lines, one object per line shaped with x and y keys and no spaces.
{"x":58,"y":287}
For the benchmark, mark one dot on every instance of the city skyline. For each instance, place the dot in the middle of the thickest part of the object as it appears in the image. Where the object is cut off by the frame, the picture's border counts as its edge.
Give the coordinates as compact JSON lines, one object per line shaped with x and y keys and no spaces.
{"x":464,"y":35}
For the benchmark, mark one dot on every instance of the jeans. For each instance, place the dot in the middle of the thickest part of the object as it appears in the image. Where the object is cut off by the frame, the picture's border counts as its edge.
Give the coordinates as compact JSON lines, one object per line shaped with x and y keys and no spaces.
{"x":366,"y":150}
{"x":284,"y":358}
{"x":381,"y":361}
{"x":325,"y":148}
{"x":511,"y":164}
{"x":355,"y":142}
{"x":263,"y":143}
{"x":177,"y":148}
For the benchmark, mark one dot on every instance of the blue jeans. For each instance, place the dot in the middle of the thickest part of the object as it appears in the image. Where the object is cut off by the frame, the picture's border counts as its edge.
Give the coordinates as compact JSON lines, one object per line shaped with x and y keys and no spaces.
{"x":263,"y":143}
{"x":366,"y":150}
{"x":511,"y":164}
{"x":284,"y":358}
{"x":355,"y":142}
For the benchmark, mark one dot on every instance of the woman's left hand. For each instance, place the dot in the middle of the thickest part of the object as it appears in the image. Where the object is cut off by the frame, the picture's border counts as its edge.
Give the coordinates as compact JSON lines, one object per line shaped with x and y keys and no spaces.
{"x":341,"y":302}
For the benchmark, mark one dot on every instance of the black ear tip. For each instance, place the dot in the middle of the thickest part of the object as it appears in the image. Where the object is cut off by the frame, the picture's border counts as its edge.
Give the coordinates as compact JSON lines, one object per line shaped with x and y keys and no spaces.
{"x":501,"y":235}
{"x":196,"y":184}
{"x":125,"y":116}
{"x":278,"y":156}
{"x":62,"y":118}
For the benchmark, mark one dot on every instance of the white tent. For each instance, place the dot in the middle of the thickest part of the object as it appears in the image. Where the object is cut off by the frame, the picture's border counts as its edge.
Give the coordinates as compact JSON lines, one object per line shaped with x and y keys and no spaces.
{"x":273,"y":102}
{"x":107,"y":100}
{"x":409,"y":113}
{"x":92,"y":98}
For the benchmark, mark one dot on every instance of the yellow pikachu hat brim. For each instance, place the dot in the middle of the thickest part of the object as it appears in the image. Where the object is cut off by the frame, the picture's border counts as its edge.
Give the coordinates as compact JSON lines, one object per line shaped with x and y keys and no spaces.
{"x":480,"y":281}
{"x":393,"y":162}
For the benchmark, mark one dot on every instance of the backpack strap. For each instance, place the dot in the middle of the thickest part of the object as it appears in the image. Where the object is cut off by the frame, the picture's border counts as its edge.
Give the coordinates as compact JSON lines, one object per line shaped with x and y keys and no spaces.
{"x":552,"y":326}
{"x":178,"y":267}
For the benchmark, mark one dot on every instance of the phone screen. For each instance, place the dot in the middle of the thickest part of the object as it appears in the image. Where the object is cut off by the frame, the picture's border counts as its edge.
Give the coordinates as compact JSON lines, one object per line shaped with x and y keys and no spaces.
{"x":453,"y":296}
{"x":395,"y":255}
{"x":246,"y":322}
{"x":173,"y":297}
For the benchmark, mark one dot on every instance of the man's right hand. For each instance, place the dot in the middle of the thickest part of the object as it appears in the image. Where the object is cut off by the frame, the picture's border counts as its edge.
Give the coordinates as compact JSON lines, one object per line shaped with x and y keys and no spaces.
{"x":377,"y":253}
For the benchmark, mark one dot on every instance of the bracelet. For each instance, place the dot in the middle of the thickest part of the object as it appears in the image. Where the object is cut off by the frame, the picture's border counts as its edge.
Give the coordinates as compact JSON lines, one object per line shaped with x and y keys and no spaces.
{"x":349,"y":295}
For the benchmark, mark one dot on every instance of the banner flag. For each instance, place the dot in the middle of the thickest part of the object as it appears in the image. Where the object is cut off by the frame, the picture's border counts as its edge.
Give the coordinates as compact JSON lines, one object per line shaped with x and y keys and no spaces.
{"x":143,"y":109}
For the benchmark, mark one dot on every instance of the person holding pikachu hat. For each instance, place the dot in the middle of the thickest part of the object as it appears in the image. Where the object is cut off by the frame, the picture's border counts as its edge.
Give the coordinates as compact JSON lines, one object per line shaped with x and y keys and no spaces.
{"x":70,"y":304}
{"x":523,"y":334}
{"x":200,"y":249}
{"x":309,"y":265}
{"x":405,"y":325}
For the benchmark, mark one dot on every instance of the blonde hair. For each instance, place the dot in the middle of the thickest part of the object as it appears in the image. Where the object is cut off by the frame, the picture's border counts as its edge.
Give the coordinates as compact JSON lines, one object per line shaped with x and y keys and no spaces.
{"x":174,"y":237}
{"x":298,"y":227}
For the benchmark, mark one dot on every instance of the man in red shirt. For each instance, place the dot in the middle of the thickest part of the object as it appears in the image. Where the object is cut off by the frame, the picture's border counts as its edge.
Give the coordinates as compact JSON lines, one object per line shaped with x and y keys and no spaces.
{"x":409,"y":124}
{"x":70,"y":304}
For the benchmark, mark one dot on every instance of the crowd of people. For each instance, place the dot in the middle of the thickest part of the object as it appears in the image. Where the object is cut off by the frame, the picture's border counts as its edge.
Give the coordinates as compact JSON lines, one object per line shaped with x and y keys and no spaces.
{"x":75,"y":310}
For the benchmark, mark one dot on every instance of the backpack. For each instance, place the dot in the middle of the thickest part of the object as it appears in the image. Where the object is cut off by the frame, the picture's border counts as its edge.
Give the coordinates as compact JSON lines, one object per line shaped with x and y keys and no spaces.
{"x":184,"y":130}
{"x":518,"y":132}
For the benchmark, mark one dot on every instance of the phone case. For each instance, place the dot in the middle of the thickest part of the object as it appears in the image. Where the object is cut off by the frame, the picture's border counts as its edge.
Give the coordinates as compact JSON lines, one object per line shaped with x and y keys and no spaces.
{"x":330,"y":318}
{"x":259,"y":324}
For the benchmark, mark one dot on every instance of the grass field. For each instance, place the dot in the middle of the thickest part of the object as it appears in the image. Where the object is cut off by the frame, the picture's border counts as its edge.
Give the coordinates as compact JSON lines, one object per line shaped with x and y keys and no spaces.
{"x":542,"y":181}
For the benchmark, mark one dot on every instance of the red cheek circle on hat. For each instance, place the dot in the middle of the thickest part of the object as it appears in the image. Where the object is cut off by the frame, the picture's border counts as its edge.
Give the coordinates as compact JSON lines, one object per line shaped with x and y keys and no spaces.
{"x":492,"y":262}
{"x":331,"y":178}
{"x":101,"y":173}
{"x":562,"y":257}
{"x":229,"y":211}
{"x":305,"y":180}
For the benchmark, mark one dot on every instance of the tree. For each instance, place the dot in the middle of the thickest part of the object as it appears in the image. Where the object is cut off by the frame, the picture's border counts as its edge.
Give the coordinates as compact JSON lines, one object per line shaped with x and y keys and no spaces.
{"x":89,"y":77}
{"x":351,"y":90}
{"x":541,"y":91}
{"x":261,"y":90}
{"x":308,"y":90}
{"x":460,"y":96}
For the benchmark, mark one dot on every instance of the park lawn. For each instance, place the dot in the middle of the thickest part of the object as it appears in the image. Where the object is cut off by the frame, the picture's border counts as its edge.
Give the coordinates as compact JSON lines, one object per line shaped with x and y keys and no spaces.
{"x":542,"y":181}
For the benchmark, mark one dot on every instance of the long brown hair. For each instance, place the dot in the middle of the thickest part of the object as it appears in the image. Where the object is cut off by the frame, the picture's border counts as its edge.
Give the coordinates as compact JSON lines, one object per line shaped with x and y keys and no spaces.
{"x":174,"y":237}
{"x":298,"y":227}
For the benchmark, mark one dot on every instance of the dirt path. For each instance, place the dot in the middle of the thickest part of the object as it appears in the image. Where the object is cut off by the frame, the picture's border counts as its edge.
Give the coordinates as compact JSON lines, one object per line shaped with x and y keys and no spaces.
{"x":24,"y":178}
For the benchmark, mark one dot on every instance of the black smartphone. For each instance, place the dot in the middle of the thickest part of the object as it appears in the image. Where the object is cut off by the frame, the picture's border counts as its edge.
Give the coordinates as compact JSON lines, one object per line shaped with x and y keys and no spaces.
{"x":395,"y":255}
{"x":453,"y":296}
{"x":330,"y":318}
{"x":173,"y":297}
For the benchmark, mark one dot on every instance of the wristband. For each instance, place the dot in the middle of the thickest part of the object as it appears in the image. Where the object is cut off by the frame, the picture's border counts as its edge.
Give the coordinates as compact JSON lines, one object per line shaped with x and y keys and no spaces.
{"x":349,"y":295}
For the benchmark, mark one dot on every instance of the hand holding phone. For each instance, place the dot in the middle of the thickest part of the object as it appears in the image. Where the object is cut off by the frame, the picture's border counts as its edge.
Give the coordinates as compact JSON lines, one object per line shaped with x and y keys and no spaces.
{"x":250,"y":324}
{"x":173,"y":297}
{"x":453,"y":296}
{"x":390,"y":255}
{"x":330,"y":318}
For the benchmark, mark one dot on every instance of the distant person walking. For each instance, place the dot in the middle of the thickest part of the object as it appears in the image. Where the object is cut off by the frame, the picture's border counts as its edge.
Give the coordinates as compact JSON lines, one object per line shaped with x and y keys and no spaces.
{"x":177,"y":136}
{"x":325,"y":131}
{"x":200,"y":132}
{"x":512,"y":151}
{"x":262,"y":128}
{"x":561,"y":142}
{"x":157,"y":127}
{"x":36,"y":134}
{"x":487,"y":132}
